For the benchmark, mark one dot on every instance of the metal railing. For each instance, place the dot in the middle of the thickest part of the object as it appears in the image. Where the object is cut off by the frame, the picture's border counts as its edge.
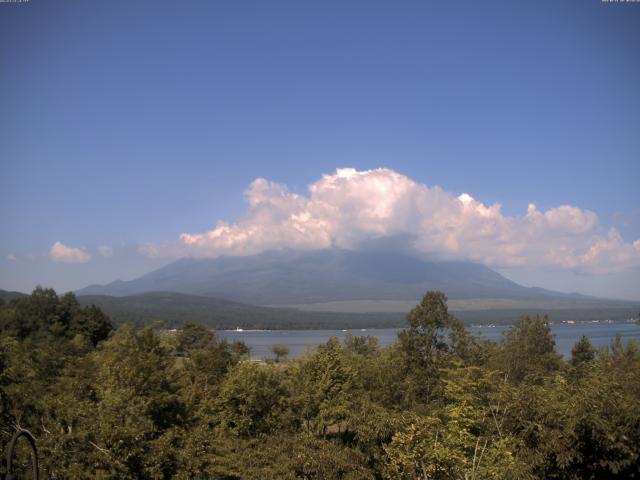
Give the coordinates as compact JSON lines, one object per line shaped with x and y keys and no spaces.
{"x":11,"y":453}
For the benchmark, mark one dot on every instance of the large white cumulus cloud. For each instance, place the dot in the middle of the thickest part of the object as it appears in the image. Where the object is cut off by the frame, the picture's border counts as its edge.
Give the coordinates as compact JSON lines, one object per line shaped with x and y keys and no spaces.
{"x":348,"y":207}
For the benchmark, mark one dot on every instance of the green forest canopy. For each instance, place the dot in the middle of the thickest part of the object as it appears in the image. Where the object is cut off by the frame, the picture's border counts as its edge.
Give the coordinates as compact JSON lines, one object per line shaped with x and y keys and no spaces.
{"x":437,"y":404}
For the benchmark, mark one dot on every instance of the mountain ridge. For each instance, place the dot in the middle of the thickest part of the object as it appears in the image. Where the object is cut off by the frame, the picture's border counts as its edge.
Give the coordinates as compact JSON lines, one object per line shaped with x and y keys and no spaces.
{"x":292,"y":277}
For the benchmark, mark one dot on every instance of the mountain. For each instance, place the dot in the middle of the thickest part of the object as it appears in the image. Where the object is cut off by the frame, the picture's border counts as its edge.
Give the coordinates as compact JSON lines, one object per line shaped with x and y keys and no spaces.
{"x":290,"y":277}
{"x":328,"y":289}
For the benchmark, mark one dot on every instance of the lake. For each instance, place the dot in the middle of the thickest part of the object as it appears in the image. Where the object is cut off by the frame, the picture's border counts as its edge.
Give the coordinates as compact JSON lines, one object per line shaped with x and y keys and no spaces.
{"x":298,"y":341}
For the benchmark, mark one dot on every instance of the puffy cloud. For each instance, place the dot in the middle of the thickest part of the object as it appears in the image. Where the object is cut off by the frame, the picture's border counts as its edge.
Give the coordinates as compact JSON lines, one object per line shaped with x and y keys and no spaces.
{"x":12,"y":258}
{"x":105,"y":251}
{"x":349,"y":207}
{"x":64,"y":254}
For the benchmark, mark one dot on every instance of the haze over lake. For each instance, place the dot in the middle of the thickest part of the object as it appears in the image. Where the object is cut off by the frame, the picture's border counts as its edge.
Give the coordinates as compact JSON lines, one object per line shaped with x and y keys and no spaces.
{"x":299,"y":341}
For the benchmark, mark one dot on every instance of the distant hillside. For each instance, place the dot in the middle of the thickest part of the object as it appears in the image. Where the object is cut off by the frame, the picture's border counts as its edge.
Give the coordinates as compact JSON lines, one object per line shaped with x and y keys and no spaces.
{"x":7,"y":296}
{"x":304,"y":277}
{"x":172,"y":309}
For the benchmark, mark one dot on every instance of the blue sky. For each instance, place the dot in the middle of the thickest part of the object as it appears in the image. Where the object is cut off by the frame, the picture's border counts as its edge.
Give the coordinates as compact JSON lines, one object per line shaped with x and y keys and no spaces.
{"x":124,"y":123}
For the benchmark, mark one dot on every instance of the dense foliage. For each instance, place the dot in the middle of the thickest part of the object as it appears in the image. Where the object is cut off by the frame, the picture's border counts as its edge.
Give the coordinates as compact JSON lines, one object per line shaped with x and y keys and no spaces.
{"x":438,"y":404}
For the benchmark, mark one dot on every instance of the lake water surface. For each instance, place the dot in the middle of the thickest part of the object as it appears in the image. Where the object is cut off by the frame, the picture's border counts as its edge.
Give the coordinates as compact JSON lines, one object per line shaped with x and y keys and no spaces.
{"x":298,"y":341}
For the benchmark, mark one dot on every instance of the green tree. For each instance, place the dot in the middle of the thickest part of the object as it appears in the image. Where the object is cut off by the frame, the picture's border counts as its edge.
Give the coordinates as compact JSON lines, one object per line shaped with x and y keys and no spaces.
{"x":428,"y":343}
{"x":91,"y":323}
{"x":528,"y":350}
{"x":323,"y":387}
{"x":200,"y":376}
{"x":252,"y":400}
{"x":464,"y":439}
{"x":582,"y":352}
{"x":240,"y":349}
{"x":202,"y":367}
{"x":280,"y":351}
{"x":361,"y":345}
{"x":193,"y":336}
{"x":137,"y":401}
{"x":35,"y":315}
{"x":576,"y":430}
{"x":44,"y":314}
